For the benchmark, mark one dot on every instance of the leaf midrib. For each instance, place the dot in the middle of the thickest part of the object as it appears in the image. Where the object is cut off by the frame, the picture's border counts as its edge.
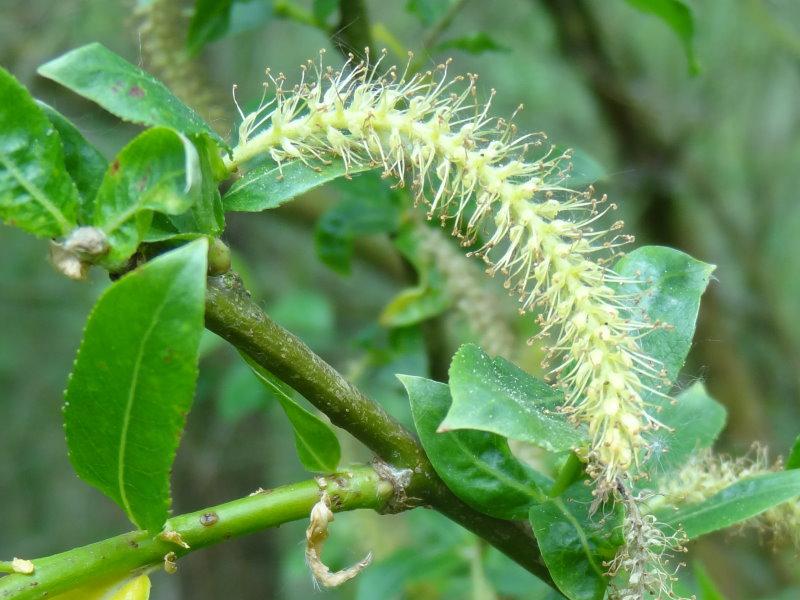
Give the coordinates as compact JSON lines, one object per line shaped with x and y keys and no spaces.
{"x":131,"y":397}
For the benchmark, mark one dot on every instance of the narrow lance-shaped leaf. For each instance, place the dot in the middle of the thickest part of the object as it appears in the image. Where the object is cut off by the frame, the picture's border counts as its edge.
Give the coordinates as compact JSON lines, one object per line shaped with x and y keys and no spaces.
{"x":316,"y":444}
{"x":97,"y":73}
{"x":477,"y":466}
{"x":134,"y":380}
{"x":85,"y":164}
{"x":492,"y":394}
{"x":267,"y":186}
{"x":743,"y":500}
{"x":157,"y":171}
{"x":36,"y":191}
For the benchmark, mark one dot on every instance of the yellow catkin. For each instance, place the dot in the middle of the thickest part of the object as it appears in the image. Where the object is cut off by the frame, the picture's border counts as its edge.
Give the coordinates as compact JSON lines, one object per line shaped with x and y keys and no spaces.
{"x":478,"y":177}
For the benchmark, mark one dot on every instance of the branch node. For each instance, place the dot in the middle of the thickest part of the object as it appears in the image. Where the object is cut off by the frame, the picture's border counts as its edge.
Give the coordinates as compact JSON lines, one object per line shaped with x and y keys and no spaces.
{"x":399,"y":479}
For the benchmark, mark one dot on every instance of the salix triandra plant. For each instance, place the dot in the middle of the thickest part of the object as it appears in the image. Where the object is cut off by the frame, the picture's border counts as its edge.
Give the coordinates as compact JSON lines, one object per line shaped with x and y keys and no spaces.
{"x":616,"y":327}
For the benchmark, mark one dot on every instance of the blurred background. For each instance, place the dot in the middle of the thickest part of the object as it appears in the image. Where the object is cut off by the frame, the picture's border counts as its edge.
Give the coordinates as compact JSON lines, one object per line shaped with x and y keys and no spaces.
{"x":695,"y":134}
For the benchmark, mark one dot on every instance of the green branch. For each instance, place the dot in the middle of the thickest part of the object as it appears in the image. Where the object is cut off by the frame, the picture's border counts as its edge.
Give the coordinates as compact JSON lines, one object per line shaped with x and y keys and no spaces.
{"x":139,"y":551}
{"x":232,"y":314}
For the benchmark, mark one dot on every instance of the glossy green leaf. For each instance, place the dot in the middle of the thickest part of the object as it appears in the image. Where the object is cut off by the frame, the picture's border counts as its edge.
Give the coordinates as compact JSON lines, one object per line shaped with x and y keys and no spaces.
{"x":157,"y":171}
{"x":695,"y":420}
{"x":574,"y":544}
{"x":492,"y":394}
{"x":476,"y":465}
{"x":36,"y":191}
{"x":97,"y":73}
{"x":670,"y":284}
{"x":793,"y":460}
{"x":743,"y":500}
{"x":264,"y":187}
{"x":678,"y":16}
{"x":210,"y":21}
{"x":83,"y":161}
{"x":477,"y":43}
{"x":317,"y":446}
{"x":134,"y":380}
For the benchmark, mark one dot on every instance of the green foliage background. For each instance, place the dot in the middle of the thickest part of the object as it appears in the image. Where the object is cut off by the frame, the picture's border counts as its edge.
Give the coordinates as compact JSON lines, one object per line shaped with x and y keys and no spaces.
{"x":706,"y":163}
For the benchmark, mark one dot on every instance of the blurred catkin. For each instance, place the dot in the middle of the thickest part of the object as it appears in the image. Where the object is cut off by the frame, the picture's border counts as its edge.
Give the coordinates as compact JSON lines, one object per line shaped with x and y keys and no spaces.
{"x":464,"y":283}
{"x":706,"y":474}
{"x":162,"y":26}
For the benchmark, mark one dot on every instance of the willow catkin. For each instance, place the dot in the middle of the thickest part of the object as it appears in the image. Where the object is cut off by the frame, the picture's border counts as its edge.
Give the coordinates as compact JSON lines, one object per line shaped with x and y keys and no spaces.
{"x":478,"y":177}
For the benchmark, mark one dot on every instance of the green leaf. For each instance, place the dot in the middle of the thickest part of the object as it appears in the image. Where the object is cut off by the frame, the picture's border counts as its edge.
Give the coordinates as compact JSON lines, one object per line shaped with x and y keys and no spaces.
{"x":477,"y":43}
{"x":36,"y":191}
{"x":477,"y":466}
{"x":670,"y":284}
{"x":743,"y":500}
{"x":83,"y":161}
{"x":157,"y":171}
{"x":210,"y":21}
{"x":316,"y":443}
{"x":574,"y":544}
{"x":793,"y":461}
{"x":678,"y":16}
{"x":134,"y":380}
{"x":96,"y":73}
{"x":696,"y":420}
{"x":497,"y":396}
{"x":263,"y":187}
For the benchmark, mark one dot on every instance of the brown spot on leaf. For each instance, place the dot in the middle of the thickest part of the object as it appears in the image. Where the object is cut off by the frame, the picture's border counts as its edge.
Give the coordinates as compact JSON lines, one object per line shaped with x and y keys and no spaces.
{"x":136,"y":92}
{"x":115,"y":167}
